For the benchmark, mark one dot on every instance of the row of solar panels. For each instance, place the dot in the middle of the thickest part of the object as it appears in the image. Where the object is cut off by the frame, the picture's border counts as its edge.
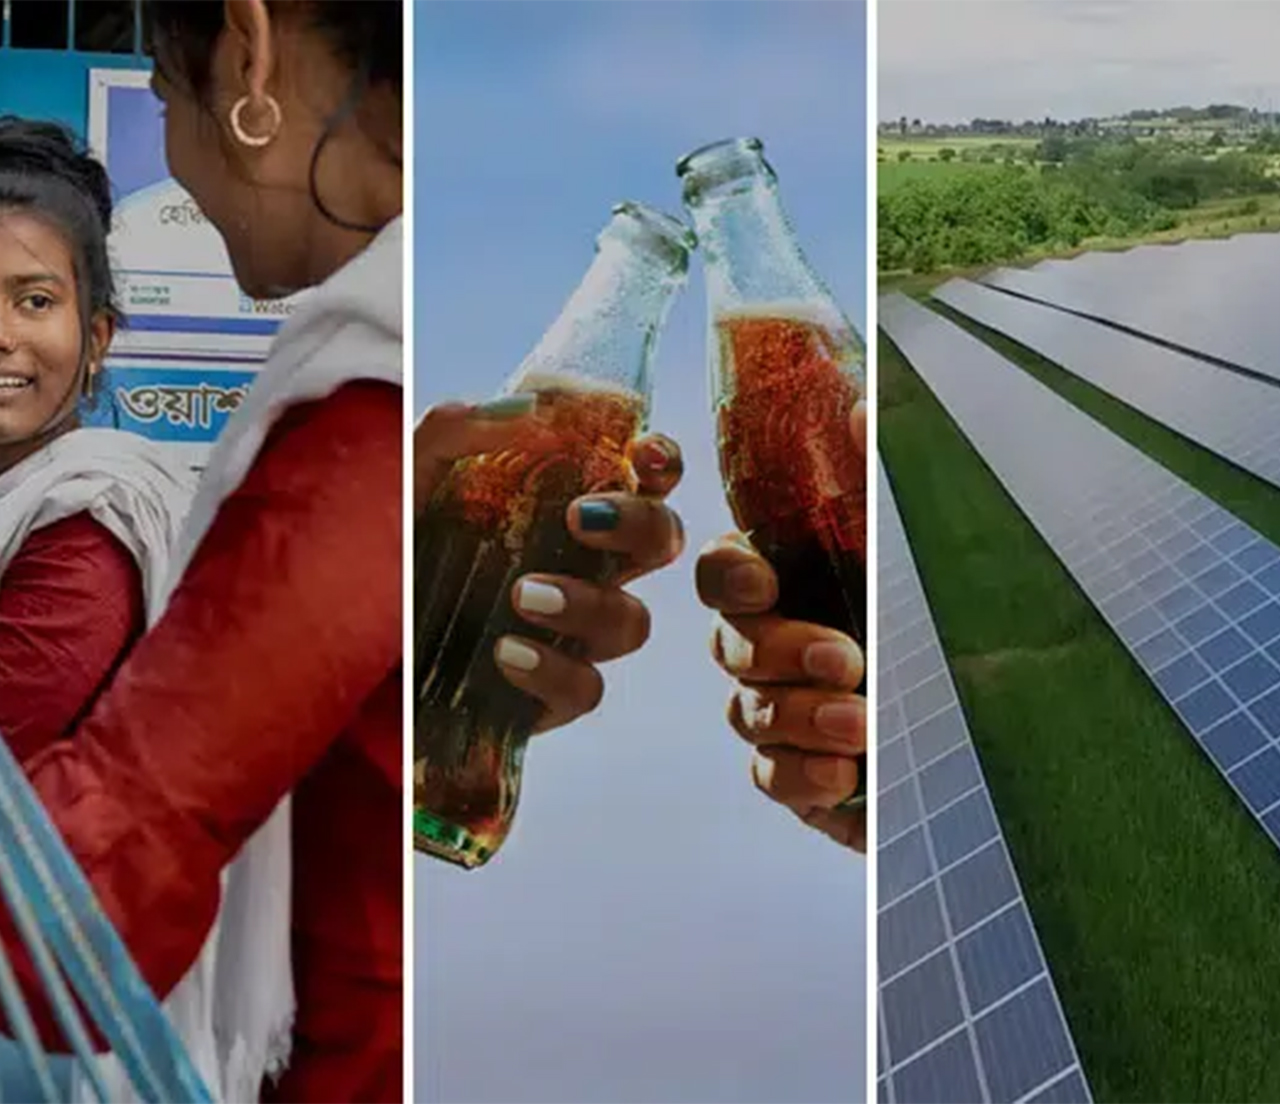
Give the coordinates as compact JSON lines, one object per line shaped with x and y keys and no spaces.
{"x":968,"y":1011}
{"x":1195,"y":295}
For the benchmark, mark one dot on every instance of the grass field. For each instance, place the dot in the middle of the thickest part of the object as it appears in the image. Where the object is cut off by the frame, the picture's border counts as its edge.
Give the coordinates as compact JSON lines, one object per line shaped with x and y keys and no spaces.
{"x":891,"y":175}
{"x":892,"y":145}
{"x":922,"y":154}
{"x":1156,"y":897}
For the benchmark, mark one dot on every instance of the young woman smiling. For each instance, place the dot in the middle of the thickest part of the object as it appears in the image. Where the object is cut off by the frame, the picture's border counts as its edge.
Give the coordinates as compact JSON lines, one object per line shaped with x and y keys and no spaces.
{"x":87,"y":517}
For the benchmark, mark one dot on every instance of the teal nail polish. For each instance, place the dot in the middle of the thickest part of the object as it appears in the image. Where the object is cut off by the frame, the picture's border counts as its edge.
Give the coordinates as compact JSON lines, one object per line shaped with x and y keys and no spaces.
{"x":598,"y":516}
{"x":511,"y":406}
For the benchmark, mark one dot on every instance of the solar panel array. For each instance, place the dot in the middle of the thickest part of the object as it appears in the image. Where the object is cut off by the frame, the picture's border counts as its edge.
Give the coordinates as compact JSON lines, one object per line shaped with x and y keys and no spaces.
{"x":1231,"y":415}
{"x":1188,"y":588}
{"x":1190,"y":294}
{"x":967,"y":1009}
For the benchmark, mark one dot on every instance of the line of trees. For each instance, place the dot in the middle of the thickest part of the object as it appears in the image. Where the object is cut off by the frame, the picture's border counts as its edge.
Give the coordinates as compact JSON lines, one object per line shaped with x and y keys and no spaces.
{"x":1073,"y":190}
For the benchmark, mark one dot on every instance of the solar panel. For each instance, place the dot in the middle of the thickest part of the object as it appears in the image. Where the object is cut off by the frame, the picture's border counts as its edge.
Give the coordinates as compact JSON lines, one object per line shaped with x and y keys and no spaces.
{"x":1188,"y":588}
{"x":1231,"y":415}
{"x":967,"y":1008}
{"x":1215,"y":298}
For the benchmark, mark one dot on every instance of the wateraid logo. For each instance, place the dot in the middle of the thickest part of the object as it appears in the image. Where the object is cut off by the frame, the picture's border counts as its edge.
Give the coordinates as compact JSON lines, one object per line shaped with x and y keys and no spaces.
{"x":274,"y":307}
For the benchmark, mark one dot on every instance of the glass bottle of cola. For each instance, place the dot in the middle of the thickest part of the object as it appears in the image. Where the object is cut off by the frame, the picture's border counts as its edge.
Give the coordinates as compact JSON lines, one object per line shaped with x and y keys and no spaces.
{"x":786,"y":370}
{"x":499,"y":516}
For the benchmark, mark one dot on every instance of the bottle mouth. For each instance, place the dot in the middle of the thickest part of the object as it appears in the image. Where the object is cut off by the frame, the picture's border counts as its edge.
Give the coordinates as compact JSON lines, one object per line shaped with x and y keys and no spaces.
{"x":648,"y":228}
{"x":713,"y":166}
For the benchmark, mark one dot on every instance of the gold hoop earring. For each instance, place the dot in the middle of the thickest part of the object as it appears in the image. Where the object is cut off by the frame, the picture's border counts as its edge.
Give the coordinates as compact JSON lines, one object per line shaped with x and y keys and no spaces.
{"x":89,"y":382}
{"x":255,"y":140}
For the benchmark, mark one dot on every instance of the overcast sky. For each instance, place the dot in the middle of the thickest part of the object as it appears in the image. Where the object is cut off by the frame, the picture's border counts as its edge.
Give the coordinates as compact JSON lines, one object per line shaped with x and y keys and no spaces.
{"x":953,"y":60}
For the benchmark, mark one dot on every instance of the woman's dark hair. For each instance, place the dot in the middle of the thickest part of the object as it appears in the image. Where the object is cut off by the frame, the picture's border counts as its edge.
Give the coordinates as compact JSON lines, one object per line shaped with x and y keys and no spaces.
{"x":45,"y":172}
{"x":368,"y":35}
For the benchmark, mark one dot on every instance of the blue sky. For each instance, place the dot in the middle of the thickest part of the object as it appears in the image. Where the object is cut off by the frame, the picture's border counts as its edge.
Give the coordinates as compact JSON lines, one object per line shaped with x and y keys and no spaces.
{"x":654,"y":930}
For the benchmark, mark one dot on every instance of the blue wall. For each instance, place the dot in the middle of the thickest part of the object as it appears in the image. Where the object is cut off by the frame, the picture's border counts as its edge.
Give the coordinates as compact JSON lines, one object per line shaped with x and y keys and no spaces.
{"x":54,"y":84}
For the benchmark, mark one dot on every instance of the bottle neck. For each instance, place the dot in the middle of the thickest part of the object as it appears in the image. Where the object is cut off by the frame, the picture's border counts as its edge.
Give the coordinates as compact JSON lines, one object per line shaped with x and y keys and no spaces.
{"x":749,"y":251}
{"x":606,"y":334}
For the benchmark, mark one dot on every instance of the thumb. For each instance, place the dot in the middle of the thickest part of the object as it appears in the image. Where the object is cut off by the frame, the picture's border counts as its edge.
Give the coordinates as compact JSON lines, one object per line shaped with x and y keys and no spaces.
{"x":847,"y":827}
{"x":449,"y":433}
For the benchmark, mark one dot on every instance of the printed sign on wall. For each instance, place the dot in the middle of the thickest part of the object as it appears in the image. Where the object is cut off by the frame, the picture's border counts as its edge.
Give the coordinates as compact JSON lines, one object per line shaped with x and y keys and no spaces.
{"x":169,"y":401}
{"x":174,"y":273}
{"x":192,"y":340}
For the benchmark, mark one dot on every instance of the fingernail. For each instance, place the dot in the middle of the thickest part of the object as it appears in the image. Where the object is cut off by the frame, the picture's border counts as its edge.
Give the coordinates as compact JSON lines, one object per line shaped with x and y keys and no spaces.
{"x":837,"y":775}
{"x":845,"y":720}
{"x":655,"y":455}
{"x":677,"y":534}
{"x":513,"y":653}
{"x":598,"y":515}
{"x":449,"y":409}
{"x":506,"y":408}
{"x":748,"y":583}
{"x":543,"y":598}
{"x":736,"y":650}
{"x":758,"y":712}
{"x":762,"y":772}
{"x":830,"y":661}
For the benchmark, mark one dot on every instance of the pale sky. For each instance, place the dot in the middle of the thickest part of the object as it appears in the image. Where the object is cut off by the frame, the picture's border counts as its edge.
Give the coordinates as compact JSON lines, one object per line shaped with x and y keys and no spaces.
{"x":952,"y":60}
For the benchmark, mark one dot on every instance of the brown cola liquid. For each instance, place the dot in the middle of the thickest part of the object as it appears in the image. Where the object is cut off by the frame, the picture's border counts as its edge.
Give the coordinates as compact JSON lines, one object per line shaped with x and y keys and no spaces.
{"x":496,"y":518}
{"x":796,"y":484}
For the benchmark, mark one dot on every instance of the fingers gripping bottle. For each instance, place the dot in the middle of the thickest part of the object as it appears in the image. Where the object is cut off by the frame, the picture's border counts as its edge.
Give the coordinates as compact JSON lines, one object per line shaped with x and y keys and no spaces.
{"x":499,"y":516}
{"x":786,"y":369}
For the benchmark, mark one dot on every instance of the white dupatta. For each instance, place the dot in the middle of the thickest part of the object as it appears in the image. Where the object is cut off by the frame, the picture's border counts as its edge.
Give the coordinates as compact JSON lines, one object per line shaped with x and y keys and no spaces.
{"x":349,"y":328}
{"x":128,"y":485}
{"x":140,"y":494}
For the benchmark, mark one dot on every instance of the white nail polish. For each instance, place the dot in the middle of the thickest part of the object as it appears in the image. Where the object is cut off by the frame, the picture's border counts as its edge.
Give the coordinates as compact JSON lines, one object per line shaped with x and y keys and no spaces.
{"x":758,"y":713}
{"x":512,"y":653}
{"x":738,"y":652}
{"x":541,"y":598}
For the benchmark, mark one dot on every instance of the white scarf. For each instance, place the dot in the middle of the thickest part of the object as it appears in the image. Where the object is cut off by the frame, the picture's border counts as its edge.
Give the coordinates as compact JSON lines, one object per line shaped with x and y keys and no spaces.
{"x":140,"y":494}
{"x":130,"y":486}
{"x":350,"y":328}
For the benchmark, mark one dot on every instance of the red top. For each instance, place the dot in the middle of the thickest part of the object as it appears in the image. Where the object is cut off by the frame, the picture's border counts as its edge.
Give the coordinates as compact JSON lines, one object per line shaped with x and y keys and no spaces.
{"x":70,"y":606}
{"x":276,"y":668}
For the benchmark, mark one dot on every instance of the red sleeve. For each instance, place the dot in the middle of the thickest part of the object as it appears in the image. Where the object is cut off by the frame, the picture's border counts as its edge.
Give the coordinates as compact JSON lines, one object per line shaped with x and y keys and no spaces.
{"x":70,"y":605}
{"x":288,"y":618}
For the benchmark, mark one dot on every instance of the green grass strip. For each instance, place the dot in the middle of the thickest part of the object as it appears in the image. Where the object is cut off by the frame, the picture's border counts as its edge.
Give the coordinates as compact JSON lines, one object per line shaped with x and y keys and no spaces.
{"x":1156,"y":896}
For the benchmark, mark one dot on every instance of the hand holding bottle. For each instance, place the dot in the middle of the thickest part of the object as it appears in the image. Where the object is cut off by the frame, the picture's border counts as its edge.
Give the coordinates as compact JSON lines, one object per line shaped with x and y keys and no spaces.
{"x":603,"y":622}
{"x":795,"y":703}
{"x":787,"y":372}
{"x":521,"y":550}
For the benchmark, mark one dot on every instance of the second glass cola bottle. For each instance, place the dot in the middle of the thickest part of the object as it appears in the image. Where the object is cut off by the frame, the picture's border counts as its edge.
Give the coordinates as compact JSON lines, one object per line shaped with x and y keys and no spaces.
{"x":502,"y":515}
{"x":787,"y":369}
